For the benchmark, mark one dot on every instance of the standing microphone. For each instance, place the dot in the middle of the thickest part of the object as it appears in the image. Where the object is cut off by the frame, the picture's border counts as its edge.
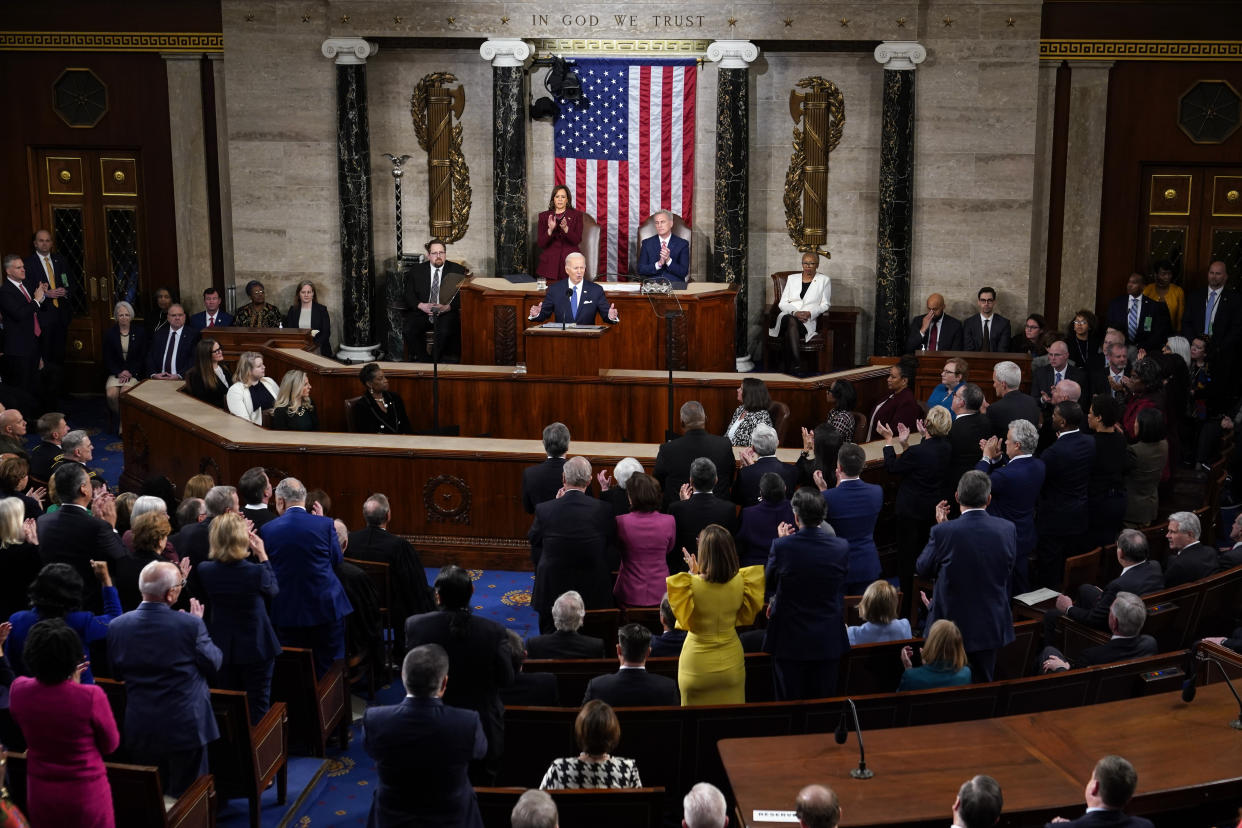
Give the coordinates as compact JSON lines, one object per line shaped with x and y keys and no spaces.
{"x":569,"y":294}
{"x":1188,"y":686}
{"x":848,"y":709}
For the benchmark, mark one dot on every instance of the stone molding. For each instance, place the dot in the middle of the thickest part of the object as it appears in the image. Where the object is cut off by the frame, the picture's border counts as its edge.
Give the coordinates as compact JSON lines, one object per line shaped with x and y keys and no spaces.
{"x":733,"y":54}
{"x":900,"y":55}
{"x":349,"y":50}
{"x":506,"y":52}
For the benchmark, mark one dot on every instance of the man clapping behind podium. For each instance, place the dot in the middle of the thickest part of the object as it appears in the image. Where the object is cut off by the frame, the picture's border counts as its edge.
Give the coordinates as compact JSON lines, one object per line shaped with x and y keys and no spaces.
{"x":576,"y":301}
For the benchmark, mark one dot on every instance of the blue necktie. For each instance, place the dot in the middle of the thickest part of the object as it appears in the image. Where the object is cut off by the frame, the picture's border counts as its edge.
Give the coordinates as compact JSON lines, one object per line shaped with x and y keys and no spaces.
{"x":1210,"y":307}
{"x":1134,"y":317}
{"x":573,"y":305}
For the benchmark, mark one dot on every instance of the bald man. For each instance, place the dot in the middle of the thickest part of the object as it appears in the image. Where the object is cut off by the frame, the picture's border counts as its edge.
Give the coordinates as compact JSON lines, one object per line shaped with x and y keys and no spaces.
{"x":575,"y":301}
{"x":934,"y":330}
{"x":13,"y":433}
{"x":817,"y":807}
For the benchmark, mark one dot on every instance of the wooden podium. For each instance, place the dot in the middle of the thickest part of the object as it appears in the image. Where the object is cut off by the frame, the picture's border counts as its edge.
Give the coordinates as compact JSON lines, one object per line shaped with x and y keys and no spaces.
{"x":568,"y":351}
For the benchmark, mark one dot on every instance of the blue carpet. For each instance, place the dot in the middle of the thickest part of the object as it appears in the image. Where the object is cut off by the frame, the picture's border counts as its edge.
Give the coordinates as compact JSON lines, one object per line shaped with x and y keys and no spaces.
{"x":91,"y":415}
{"x":503,"y":597}
{"x":304,"y":772}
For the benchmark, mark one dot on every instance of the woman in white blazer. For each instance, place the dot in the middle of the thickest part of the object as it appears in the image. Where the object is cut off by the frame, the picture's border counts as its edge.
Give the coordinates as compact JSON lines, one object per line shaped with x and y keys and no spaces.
{"x":801,"y":304}
{"x":252,"y":392}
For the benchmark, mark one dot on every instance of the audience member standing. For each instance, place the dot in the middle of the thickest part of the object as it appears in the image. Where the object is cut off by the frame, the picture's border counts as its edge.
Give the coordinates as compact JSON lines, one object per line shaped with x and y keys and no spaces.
{"x":853,"y":507}
{"x":757,"y":461}
{"x":543,"y":481}
{"x":1061,"y":514}
{"x":646,"y":538}
{"x":22,"y":308}
{"x":1106,"y":489}
{"x":74,"y":536}
{"x":672,"y":465}
{"x":760,"y":522}
{"x":922,"y":468}
{"x":1011,"y":404}
{"x":697,"y":508}
{"x":407,"y":578}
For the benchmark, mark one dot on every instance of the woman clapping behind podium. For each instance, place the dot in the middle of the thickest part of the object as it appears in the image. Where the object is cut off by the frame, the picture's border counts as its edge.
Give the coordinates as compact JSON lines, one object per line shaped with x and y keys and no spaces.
{"x":295,"y":410}
{"x":560,"y":233}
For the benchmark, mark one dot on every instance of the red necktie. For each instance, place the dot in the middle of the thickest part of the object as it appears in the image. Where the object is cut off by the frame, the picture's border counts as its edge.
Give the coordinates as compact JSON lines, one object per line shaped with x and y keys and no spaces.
{"x":211,"y":320}
{"x":38,"y":329}
{"x":931,"y":337}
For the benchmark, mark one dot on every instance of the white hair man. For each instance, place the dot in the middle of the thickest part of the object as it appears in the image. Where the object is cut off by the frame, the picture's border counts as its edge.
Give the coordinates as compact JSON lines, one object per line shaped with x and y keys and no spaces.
{"x":566,"y":642}
{"x":575,"y":301}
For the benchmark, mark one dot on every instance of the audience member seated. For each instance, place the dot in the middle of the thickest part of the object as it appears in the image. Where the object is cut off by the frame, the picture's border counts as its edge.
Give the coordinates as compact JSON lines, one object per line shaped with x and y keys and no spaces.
{"x":757,"y":461}
{"x":646,"y":537}
{"x":294,"y":409}
{"x":944,"y":660}
{"x":801,"y":304}
{"x":1061,"y":514}
{"x":1090,"y":606}
{"x":760,"y":522}
{"x":423,"y":748}
{"x":149,"y":539}
{"x":899,"y":407}
{"x":52,"y":429}
{"x":632,"y":685}
{"x":406,"y":577}
{"x":664,"y":255}
{"x":934,"y":330}
{"x":254,"y":491}
{"x":986,"y":330}
{"x":673,"y":460}
{"x":237,"y":616}
{"x":77,"y":450}
{"x":252,"y":391}
{"x":853,"y":507}
{"x":124,"y":355}
{"x":597,"y":731}
{"x":478,"y":657}
{"x":14,"y":480}
{"x":1189,"y":560}
{"x":816,"y":807}
{"x":612,"y":489}
{"x":306,"y":313}
{"x":19,"y":556}
{"x":952,"y":376}
{"x":705,"y":807}
{"x":979,"y":803}
{"x":1112,"y":784}
{"x":879,"y":611}
{"x":534,"y":809}
{"x":257,"y":313}
{"x":1233,"y":556}
{"x":57,"y":593}
{"x":566,"y":642}
{"x":528,"y":689}
{"x":922,"y":468}
{"x":842,"y":398}
{"x":543,"y":482}
{"x":969,"y":431}
{"x":1125,"y":619}
{"x":210,"y":316}
{"x":1031,"y":343}
{"x":1146,"y":461}
{"x":671,"y":640}
{"x":207,"y":379}
{"x":710,"y":601}
{"x":1144,"y":320}
{"x":168,"y":717}
{"x":68,"y":727}
{"x":1108,"y":375}
{"x":170,"y":353}
{"x":13,"y":433}
{"x":754,"y":401}
{"x":1106,"y":488}
{"x":379,"y":411}
{"x":697,"y":508}
{"x":1011,"y":404}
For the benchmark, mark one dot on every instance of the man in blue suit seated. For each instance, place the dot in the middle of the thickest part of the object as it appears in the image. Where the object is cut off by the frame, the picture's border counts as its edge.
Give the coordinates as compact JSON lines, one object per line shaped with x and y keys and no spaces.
{"x":310,"y":609}
{"x":577,"y":303}
{"x":853,"y":509}
{"x":1112,"y":784}
{"x":422,"y":748}
{"x":1015,"y":490}
{"x":971,"y":560}
{"x":164,"y":658}
{"x":1125,"y":620}
{"x":805,"y":582}
{"x":664,"y":254}
{"x":213,"y":316}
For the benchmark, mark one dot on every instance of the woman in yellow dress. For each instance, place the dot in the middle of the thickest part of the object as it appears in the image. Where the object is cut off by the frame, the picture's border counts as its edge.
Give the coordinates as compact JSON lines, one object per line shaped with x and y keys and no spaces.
{"x":1163,"y":290}
{"x":710,"y":601}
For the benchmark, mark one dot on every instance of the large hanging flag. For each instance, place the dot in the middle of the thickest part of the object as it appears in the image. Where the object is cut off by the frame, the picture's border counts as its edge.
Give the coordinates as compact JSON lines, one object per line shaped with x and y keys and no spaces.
{"x":626,"y":148}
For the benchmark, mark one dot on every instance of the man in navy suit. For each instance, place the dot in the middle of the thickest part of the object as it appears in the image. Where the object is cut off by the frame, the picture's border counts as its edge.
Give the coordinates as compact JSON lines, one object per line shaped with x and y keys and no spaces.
{"x":311,"y":607}
{"x":697,"y":508}
{"x":568,"y":613}
{"x":74,"y":536}
{"x":1047,"y":377}
{"x":669,"y":642}
{"x":1061,"y":516}
{"x":1011,"y":404}
{"x":1112,"y":784}
{"x":805,"y":582}
{"x":577,"y":302}
{"x":672,"y":465}
{"x":542,"y":482}
{"x":1090,"y":606}
{"x":422,"y":749}
{"x":972,"y":560}
{"x":1015,"y":490}
{"x":853,"y":507}
{"x":52,"y":269}
{"x":212,"y":317}
{"x":934,"y":330}
{"x":1189,"y":560}
{"x":1144,"y":321}
{"x":1225,"y":320}
{"x":1126,"y":617}
{"x":632,"y":685}
{"x":164,"y":658}
{"x":757,"y":461}
{"x":172,"y":349}
{"x":664,"y":254}
{"x":986,"y":330}
{"x":21,"y":304}
{"x":970,"y":430}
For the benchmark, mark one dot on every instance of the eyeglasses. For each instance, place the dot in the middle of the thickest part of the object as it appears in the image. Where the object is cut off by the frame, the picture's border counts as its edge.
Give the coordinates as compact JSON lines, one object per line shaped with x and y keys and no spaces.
{"x":1031,"y":326}
{"x":217,"y":350}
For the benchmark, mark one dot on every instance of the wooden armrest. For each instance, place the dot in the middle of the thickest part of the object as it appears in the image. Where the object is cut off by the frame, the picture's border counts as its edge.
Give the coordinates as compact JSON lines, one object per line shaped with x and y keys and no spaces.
{"x":270,"y":740}
{"x":196,"y":806}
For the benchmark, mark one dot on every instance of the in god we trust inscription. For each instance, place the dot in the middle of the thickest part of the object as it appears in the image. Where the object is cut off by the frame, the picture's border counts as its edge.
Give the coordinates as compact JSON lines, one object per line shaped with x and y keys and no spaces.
{"x":620,"y":21}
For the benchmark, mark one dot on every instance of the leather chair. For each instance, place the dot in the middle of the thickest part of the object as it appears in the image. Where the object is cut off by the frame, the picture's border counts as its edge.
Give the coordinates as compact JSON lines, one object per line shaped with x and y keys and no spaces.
{"x":813,"y":349}
{"x":351,"y":419}
{"x":647,"y":229}
{"x":779,"y":412}
{"x":590,"y":245}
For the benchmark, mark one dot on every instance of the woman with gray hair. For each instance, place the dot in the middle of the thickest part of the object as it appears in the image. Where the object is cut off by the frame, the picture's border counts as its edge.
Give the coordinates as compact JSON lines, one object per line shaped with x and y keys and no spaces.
{"x":615,"y":495}
{"x":125,"y":354}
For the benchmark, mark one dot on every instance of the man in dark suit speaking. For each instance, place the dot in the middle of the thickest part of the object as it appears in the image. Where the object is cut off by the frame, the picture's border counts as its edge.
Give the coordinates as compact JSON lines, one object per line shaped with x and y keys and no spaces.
{"x":433,"y":298}
{"x":664,"y":254}
{"x":577,"y":302}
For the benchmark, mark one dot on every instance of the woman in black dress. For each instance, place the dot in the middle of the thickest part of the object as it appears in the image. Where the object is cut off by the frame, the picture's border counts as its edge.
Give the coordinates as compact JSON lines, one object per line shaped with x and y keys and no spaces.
{"x":306,"y":312}
{"x":1106,"y":488}
{"x":379,"y":411}
{"x":295,"y":410}
{"x":125,"y":354}
{"x":208,"y":378}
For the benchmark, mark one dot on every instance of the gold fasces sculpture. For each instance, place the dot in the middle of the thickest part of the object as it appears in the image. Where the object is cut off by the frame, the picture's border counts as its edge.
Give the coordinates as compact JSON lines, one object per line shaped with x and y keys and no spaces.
{"x":432,"y":108}
{"x":821,"y":112}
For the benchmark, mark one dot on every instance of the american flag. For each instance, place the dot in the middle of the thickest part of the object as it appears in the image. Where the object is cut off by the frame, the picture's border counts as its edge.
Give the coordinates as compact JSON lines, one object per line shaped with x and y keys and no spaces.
{"x":626,"y":148}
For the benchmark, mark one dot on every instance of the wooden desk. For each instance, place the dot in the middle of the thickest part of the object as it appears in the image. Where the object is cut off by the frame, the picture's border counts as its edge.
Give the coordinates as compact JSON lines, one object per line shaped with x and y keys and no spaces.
{"x":495,"y":311}
{"x":1186,"y":756}
{"x":569,"y":351}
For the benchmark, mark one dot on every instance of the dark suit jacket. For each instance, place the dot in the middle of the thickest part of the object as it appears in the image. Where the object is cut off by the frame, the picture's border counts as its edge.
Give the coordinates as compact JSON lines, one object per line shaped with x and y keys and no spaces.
{"x":116,"y":362}
{"x":65,"y":278}
{"x":42,"y":458}
{"x":758,"y":527}
{"x":805,"y":580}
{"x":901,"y":407}
{"x":998,"y":328}
{"x":1230,"y":558}
{"x":964,"y":440}
{"x":633,"y":687}
{"x":1041,"y":382}
{"x":418,"y":285}
{"x":1227,"y":327}
{"x":1015,"y":491}
{"x":236,"y":614}
{"x":592,"y":306}
{"x":261,"y":517}
{"x":949,"y":338}
{"x":320,"y":321}
{"x":422,"y":749}
{"x":1141,"y":579}
{"x":746,"y":489}
{"x":1115,"y":649}
{"x":1097,"y":379}
{"x":1062,"y":507}
{"x":167,"y":701}
{"x":564,"y":644}
{"x":672,"y":465}
{"x":531,"y":690}
{"x":1104,"y":819}
{"x":972,"y":560}
{"x":185,"y":351}
{"x":569,"y":546}
{"x":691,"y":515}
{"x":853,"y":509}
{"x":19,"y":316}
{"x":668,"y":643}
{"x":923,"y":468}
{"x":198,"y":321}
{"x":304,"y":549}
{"x":406,"y":576}
{"x":1154,"y":325}
{"x":1195,"y":561}
{"x":74,"y":536}
{"x":1013,"y":406}
{"x":678,"y":262}
{"x":542,"y":482}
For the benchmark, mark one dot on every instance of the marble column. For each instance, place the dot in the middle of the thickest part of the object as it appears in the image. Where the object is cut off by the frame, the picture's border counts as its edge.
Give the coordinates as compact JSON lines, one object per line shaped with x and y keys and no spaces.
{"x":192,"y":218}
{"x":508,"y":57}
{"x":732,"y":210}
{"x":896,"y":213}
{"x":222,"y":164}
{"x":353,"y":177}
{"x":1084,"y":186}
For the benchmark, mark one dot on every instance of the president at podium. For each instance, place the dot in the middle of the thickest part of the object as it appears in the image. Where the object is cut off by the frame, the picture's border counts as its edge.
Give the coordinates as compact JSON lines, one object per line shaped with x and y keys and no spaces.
{"x":577,"y":301}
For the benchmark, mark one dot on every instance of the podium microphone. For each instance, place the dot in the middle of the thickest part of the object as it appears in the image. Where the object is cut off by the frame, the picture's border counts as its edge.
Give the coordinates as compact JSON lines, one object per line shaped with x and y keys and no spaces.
{"x":1189,"y":688}
{"x":849,"y":710}
{"x":569,"y":294}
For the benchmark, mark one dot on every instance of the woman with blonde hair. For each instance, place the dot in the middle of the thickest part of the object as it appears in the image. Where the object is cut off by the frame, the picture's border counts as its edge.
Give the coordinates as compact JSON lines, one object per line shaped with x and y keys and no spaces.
{"x":597,"y":732}
{"x":198,"y":486}
{"x":878,"y":610}
{"x":19,"y":556}
{"x":711,"y":601}
{"x":295,"y":410}
{"x":944,"y":660}
{"x":252,"y":391}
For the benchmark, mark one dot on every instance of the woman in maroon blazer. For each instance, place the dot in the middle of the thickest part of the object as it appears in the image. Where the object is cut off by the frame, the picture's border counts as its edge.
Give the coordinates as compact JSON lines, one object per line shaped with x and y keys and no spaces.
{"x":560,"y":233}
